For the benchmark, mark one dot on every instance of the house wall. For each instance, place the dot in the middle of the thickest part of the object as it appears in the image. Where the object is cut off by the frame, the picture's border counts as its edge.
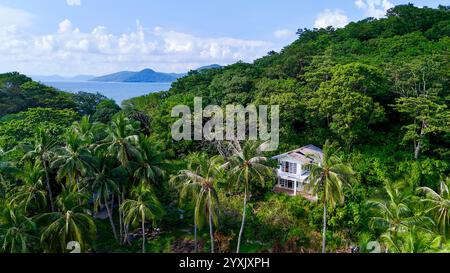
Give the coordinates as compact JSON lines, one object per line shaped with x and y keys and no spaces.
{"x":297,"y":175}
{"x":299,"y":178}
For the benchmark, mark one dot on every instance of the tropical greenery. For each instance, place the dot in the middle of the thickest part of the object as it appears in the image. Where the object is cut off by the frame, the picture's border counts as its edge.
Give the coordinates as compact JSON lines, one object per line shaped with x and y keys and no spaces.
{"x":373,"y":95}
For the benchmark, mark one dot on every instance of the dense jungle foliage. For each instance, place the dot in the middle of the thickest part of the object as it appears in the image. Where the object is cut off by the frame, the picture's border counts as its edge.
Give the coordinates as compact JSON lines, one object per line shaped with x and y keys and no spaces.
{"x":375,"y":95}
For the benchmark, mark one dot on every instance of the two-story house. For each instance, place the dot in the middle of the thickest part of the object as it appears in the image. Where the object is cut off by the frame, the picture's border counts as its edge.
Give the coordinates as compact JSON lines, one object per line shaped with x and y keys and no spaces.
{"x":292,"y":174}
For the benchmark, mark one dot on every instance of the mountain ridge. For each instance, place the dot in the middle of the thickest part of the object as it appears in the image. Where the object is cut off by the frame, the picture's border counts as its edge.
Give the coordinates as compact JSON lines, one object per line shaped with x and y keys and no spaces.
{"x":145,"y":75}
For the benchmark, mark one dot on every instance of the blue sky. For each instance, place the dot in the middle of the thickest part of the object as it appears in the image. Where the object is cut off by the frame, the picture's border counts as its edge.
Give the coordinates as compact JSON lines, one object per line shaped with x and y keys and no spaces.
{"x":71,"y":37}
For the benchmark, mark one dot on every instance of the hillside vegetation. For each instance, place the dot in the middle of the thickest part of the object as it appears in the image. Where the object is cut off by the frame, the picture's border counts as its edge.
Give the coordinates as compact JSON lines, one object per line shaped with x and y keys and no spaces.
{"x":374,"y":94}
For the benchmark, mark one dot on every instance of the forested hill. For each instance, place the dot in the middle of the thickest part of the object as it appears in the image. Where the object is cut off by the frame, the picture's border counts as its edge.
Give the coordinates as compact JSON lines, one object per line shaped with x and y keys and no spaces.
{"x":26,"y":105}
{"x":363,"y":84}
{"x":375,"y":95}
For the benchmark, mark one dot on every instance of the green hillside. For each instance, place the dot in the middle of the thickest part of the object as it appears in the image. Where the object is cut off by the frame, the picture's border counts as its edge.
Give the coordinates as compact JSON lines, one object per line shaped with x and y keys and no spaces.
{"x":375,"y":95}
{"x":366,"y":74}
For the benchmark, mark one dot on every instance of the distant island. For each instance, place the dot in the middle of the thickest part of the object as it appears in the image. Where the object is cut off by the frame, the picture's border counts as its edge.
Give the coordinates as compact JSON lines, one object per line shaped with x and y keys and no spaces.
{"x":146,"y":75}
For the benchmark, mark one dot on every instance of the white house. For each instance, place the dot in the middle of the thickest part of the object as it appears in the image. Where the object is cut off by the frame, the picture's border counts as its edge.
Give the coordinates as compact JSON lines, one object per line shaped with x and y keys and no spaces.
{"x":292,"y":175}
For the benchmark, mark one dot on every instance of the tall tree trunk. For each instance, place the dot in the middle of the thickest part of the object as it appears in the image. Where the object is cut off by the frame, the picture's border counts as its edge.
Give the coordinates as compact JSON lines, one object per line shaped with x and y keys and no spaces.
{"x":125,"y":226}
{"x":125,"y":240}
{"x":110,"y":216}
{"x":324,"y":236}
{"x":112,"y":203}
{"x":49,"y":188}
{"x":389,"y":236}
{"x":241,"y":231}
{"x":417,"y":150}
{"x":77,"y":184}
{"x":418,"y":147}
{"x":211,"y":235}
{"x":143,"y":233}
{"x":195,"y":231}
{"x":120,"y":218}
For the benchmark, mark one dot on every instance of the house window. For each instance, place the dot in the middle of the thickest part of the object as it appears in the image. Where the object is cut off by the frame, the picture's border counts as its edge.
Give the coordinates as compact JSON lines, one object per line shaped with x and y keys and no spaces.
{"x":293,"y":168}
{"x":287,"y":184}
{"x":289,"y":167}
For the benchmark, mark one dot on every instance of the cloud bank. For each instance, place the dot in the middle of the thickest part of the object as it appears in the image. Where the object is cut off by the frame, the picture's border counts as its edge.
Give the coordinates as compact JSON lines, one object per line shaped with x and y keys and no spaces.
{"x":335,"y":18}
{"x":14,"y":18}
{"x":374,"y":8}
{"x":70,"y":50}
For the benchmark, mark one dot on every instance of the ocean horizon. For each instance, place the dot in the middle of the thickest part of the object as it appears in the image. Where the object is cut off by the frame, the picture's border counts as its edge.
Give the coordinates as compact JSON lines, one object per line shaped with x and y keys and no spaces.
{"x":118,"y":91}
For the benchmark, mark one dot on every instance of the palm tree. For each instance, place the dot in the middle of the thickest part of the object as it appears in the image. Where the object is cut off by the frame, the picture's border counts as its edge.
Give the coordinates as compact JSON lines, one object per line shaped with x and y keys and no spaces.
{"x":328,"y":177}
{"x":144,"y":207}
{"x":414,"y":240}
{"x":73,"y":161}
{"x":90,"y":132}
{"x":439,"y":206}
{"x":104,"y":186}
{"x":149,"y":165}
{"x":42,"y":150}
{"x":198,"y":182}
{"x":395,"y":213}
{"x":247,"y":167}
{"x":121,"y":139}
{"x":71,"y":223}
{"x":17,"y":230}
{"x":120,"y":143}
{"x":31,"y":194}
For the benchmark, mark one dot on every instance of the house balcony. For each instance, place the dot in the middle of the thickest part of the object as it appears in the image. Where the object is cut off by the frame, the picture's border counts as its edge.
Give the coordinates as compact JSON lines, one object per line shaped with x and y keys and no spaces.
{"x":301,"y":176}
{"x":303,"y":193}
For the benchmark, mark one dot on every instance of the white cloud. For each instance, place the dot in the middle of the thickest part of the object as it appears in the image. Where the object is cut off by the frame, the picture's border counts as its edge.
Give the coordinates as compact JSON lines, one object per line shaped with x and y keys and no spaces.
{"x":10,"y":17}
{"x":374,"y":8}
{"x":69,"y":50}
{"x":335,"y":18}
{"x":65,"y":26}
{"x":73,"y":2}
{"x":283,"y":34}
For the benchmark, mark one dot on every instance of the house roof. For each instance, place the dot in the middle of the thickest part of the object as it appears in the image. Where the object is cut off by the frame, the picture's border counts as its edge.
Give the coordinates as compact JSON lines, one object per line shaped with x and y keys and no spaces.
{"x":306,"y":154}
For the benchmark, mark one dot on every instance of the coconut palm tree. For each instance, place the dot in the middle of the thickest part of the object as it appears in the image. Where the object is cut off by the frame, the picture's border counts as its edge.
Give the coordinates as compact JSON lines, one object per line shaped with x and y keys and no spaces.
{"x":17,"y":230}
{"x":198,"y":183}
{"x":42,"y":150}
{"x":414,"y":240}
{"x":149,"y":165}
{"x":74,"y":161}
{"x":31,"y":194}
{"x":439,"y":206}
{"x":328,"y":177}
{"x":120,"y":143}
{"x":396,"y":214}
{"x":121,"y":140}
{"x":90,"y":132}
{"x":142,"y":208}
{"x":104,"y":185}
{"x":391,"y":213}
{"x":248,"y":167}
{"x":71,"y":223}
